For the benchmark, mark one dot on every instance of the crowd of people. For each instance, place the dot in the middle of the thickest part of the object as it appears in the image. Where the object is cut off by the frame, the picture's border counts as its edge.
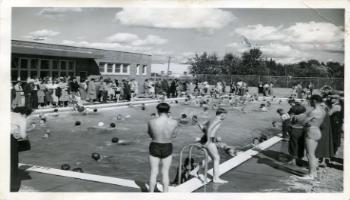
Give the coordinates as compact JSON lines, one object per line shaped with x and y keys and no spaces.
{"x":314,"y":127}
{"x":51,"y":92}
{"x":61,"y":92}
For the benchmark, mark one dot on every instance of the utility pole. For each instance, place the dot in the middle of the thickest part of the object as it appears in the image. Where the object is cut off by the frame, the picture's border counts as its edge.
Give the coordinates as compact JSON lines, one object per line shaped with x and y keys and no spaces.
{"x":169,"y":58}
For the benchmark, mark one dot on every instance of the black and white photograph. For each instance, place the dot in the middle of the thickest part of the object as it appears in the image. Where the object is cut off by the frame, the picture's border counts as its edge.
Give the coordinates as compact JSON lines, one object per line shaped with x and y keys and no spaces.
{"x":185,"y":98}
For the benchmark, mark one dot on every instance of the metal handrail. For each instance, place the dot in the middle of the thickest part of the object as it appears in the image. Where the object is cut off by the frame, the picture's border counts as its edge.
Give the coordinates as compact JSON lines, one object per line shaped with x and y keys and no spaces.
{"x":191,"y":146}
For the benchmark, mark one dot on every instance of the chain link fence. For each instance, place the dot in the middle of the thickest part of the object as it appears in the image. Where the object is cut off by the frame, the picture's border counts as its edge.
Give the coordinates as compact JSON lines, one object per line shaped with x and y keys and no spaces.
{"x":278,"y":81}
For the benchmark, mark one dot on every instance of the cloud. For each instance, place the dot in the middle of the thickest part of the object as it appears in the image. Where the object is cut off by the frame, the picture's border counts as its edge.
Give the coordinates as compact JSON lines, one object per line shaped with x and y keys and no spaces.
{"x":181,"y":18}
{"x":135,"y":40}
{"x":281,"y":51}
{"x":123,"y":38}
{"x":333,"y":47}
{"x":116,"y":46}
{"x":300,"y":41}
{"x":261,"y":32}
{"x":238,"y":47}
{"x":43,"y":34}
{"x":316,"y":32}
{"x":310,"y":32}
{"x":57,"y":12}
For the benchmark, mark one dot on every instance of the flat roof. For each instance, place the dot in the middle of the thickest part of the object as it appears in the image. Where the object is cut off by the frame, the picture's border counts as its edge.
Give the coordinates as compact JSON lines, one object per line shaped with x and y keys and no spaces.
{"x":21,"y":49}
{"x":60,"y":45}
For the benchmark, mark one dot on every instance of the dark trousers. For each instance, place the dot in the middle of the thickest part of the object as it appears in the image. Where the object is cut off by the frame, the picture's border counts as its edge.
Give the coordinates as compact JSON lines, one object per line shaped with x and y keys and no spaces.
{"x":34,"y":99}
{"x":28,"y":101}
{"x":296,"y":142}
{"x":14,"y":179}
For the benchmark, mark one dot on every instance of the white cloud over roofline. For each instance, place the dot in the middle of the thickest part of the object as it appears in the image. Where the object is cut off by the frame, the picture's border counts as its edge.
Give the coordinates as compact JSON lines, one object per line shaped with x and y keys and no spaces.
{"x":43,"y":34}
{"x":135,"y":40}
{"x":117,"y":47}
{"x":180,"y":18}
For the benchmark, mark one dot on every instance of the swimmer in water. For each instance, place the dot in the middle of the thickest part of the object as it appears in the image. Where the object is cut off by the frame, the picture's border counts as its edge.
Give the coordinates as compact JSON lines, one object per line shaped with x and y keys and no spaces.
{"x":313,"y":120}
{"x":101,"y":128}
{"x":161,"y":130}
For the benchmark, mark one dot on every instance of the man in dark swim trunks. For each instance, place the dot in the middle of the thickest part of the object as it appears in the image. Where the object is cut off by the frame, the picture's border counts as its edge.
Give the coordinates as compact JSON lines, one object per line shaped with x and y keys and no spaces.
{"x":162,"y":130}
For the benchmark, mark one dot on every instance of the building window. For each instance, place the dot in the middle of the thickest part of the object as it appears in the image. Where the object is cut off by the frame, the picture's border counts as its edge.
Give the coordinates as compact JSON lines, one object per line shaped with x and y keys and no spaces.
{"x":55,"y":64}
{"x":24,"y":64}
{"x":44,"y":74}
{"x":34,"y":63}
{"x":71,"y":65}
{"x":109,"y":68}
{"x":15,"y":61}
{"x":117,"y":68}
{"x":55,"y":74}
{"x":125,"y":69}
{"x":33,"y":74}
{"x":63,"y":64}
{"x":137,"y":69}
{"x":23,"y":75}
{"x":14,"y":75}
{"x":102,"y":67}
{"x":144,"y":70}
{"x":44,"y":64}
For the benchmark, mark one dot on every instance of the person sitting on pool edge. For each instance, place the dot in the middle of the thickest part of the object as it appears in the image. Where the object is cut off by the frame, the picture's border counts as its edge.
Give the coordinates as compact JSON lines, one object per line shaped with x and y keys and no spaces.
{"x":209,"y":141}
{"x":161,"y":130}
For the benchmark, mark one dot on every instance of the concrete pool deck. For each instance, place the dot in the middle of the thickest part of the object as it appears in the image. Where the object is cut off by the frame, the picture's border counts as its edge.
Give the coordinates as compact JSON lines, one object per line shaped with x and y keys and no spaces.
{"x":265,"y":172}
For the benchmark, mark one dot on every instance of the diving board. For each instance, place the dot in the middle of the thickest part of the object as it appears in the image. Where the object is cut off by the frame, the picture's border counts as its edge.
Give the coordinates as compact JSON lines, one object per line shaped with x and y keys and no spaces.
{"x":196,"y":183}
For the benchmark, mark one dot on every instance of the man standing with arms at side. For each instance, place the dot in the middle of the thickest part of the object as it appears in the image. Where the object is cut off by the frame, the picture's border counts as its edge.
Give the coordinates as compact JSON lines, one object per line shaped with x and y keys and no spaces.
{"x":162,"y":130}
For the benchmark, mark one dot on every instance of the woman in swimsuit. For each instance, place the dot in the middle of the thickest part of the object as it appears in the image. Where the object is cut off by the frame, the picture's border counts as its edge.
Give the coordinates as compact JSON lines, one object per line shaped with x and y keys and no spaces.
{"x":313,"y":133}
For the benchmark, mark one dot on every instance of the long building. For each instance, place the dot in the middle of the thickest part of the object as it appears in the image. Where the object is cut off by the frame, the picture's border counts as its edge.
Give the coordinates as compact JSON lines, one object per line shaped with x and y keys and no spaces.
{"x":34,"y":59}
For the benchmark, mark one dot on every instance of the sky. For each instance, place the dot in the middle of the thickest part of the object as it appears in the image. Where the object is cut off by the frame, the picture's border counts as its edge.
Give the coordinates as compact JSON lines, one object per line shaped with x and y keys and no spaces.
{"x":286,"y":35}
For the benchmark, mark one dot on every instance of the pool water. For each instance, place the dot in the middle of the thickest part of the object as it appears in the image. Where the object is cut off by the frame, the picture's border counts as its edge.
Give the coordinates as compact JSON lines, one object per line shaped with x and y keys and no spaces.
{"x":74,"y":145}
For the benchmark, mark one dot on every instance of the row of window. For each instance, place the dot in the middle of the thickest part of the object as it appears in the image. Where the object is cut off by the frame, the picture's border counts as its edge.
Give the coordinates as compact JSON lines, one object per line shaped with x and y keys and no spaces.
{"x":35,"y":63}
{"x":33,"y":67}
{"x":117,"y":68}
{"x":24,"y":74}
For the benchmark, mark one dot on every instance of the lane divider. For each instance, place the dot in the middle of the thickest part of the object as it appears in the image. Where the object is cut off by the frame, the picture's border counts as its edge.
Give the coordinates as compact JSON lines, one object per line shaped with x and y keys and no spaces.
{"x":107,"y":105}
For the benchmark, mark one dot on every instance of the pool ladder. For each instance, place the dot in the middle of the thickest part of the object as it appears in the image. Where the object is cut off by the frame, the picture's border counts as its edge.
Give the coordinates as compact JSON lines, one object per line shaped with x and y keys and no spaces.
{"x":190,"y":147}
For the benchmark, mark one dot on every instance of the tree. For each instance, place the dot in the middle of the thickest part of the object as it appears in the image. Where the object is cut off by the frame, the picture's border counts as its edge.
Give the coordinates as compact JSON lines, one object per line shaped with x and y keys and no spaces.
{"x":252,"y":62}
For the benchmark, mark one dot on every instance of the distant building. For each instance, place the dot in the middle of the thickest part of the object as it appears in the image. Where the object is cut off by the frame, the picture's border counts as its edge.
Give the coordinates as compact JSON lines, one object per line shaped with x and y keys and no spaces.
{"x":34,"y":59}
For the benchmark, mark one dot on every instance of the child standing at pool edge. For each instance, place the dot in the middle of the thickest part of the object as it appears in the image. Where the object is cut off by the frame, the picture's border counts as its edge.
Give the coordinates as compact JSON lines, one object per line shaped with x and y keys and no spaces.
{"x":209,"y":141}
{"x":162,"y":130}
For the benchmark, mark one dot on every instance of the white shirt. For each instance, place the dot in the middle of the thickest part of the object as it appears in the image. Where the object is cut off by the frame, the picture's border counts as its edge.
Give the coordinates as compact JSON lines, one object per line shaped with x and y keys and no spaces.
{"x":285,"y":116}
{"x":18,"y":126}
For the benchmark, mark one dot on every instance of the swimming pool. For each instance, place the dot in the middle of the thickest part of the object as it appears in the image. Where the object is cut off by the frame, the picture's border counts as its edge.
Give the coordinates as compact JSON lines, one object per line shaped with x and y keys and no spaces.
{"x":74,"y":145}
